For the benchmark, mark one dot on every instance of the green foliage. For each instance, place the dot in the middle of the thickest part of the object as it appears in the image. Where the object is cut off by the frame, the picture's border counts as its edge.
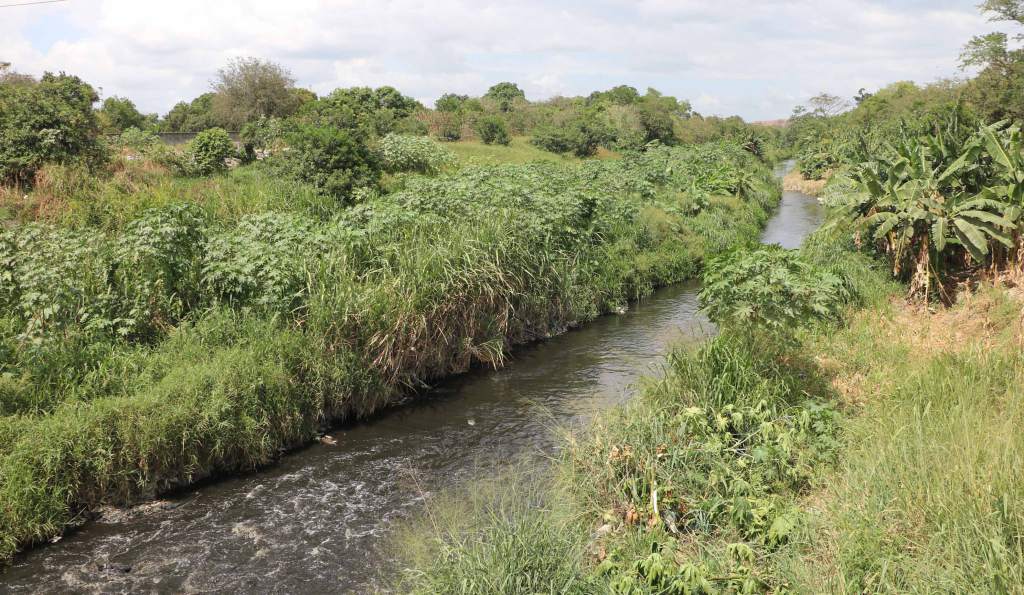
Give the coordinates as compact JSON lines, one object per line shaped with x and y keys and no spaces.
{"x":620,"y":95}
{"x":506,"y":95}
{"x":450,"y":102}
{"x":142,"y":141}
{"x":450,"y":129}
{"x":51,"y":120}
{"x":335,"y":160}
{"x":492,"y":130}
{"x":249,"y":88}
{"x":402,"y":153}
{"x":231,"y":333}
{"x":769,"y":290}
{"x":264,"y":134}
{"x":938,"y":203}
{"x":369,"y":111}
{"x":194,"y":116}
{"x":205,"y":154}
{"x":118,"y":114}
{"x":581,"y":136}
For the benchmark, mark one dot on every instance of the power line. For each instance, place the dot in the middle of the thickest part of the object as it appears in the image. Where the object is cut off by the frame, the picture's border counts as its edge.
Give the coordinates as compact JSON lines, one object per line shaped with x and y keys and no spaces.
{"x":31,"y":3}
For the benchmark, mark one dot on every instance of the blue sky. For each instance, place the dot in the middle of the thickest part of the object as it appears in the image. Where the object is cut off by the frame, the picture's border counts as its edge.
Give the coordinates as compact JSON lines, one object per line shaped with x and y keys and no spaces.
{"x":753,"y":58}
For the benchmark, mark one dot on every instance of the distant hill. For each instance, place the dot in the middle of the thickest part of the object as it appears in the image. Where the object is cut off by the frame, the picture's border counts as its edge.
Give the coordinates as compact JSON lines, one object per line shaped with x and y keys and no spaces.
{"x":773,"y":123}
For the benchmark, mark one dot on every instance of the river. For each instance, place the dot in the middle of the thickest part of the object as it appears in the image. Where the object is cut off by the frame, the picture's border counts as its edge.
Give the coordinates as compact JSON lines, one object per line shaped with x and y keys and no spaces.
{"x":314,"y":522}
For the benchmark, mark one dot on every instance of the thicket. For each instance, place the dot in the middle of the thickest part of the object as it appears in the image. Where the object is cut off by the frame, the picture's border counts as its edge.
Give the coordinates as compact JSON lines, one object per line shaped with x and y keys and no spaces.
{"x":46,"y":121}
{"x":194,"y":340}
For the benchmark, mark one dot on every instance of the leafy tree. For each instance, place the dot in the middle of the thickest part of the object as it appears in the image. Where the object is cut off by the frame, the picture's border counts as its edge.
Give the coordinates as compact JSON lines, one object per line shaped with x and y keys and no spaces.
{"x":373,"y":111}
{"x":51,"y":120}
{"x":492,"y":130}
{"x":940,"y":203}
{"x":450,"y":102}
{"x":250,"y":88}
{"x":620,"y":95}
{"x":998,"y":91}
{"x":335,"y":160}
{"x":450,"y":126}
{"x":194,"y":116}
{"x":506,"y":95}
{"x":119,"y":114}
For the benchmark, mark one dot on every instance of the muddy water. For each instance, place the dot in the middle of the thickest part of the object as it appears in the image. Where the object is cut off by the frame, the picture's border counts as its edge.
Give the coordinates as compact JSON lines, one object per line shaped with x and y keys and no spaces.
{"x":314,"y":522}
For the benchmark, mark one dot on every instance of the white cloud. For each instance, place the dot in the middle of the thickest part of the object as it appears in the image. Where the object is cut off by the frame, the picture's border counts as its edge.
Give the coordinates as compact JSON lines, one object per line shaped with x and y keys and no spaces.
{"x":755,"y":58}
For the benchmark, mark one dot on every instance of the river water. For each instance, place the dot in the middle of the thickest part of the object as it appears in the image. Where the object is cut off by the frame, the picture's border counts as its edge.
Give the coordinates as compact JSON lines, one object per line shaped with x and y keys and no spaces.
{"x":315,"y":522}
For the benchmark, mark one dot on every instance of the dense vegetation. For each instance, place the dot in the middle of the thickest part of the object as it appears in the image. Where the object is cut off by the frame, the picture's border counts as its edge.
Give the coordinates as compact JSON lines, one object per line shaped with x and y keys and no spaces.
{"x":145,"y":347}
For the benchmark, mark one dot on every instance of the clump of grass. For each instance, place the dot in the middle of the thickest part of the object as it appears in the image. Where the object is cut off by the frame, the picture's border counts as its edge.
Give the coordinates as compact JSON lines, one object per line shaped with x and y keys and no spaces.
{"x":509,"y":534}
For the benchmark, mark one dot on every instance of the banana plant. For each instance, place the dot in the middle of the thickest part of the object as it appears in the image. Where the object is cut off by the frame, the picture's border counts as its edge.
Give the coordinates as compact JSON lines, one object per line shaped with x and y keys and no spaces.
{"x":933,"y":201}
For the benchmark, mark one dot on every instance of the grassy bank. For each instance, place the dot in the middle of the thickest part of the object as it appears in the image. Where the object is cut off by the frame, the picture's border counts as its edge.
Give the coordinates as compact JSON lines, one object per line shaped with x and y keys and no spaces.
{"x":200,"y":337}
{"x":877,"y":454}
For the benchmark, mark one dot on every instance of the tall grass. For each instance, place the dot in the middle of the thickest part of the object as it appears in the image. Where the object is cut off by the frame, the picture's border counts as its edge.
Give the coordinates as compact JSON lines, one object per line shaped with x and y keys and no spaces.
{"x":142,"y":353}
{"x":927,"y":498}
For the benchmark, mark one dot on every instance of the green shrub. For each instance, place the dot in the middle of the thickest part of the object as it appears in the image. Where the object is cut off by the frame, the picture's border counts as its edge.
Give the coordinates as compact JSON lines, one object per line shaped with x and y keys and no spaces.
{"x":580,"y":136}
{"x":769,"y":289}
{"x":51,"y":120}
{"x":138,"y":140}
{"x":492,"y":130}
{"x":207,"y":152}
{"x":401,"y":153}
{"x":335,"y":160}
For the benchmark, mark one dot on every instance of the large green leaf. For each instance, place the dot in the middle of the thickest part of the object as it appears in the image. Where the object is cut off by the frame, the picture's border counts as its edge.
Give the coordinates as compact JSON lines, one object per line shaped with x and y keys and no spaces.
{"x":973,"y":238}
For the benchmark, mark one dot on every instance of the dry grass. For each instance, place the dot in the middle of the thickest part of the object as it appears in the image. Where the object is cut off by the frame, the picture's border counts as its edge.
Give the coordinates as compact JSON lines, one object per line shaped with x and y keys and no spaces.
{"x":795,"y":182}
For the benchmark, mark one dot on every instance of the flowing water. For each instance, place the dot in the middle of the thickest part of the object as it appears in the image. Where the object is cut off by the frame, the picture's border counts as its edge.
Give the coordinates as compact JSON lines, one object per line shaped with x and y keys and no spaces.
{"x":314,"y":522}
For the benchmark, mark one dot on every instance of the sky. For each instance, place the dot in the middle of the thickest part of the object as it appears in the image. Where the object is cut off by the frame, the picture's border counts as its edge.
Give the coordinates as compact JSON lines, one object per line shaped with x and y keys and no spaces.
{"x":754,"y":58}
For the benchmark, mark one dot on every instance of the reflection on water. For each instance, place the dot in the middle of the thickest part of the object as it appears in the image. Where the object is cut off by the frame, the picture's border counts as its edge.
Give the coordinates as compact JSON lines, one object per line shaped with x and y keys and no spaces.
{"x":311,"y":523}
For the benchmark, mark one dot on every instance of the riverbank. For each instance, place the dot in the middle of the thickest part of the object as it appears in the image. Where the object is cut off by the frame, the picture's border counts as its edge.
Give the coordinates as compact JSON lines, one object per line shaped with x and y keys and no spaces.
{"x":876,"y":454}
{"x":267,"y":328}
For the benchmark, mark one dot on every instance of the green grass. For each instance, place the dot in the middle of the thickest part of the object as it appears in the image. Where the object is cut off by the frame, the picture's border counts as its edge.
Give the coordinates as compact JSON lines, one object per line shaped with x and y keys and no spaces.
{"x":881,"y":456}
{"x":142,"y":353}
{"x":518,"y":151}
{"x":927,"y":497}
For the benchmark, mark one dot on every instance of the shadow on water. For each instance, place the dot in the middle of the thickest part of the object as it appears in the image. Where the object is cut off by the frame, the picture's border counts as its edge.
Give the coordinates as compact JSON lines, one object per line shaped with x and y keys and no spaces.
{"x":312,"y":522}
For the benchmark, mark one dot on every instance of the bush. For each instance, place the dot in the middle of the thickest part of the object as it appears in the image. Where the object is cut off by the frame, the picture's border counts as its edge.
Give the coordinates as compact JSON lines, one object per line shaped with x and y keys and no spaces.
{"x":769,"y":289}
{"x":492,"y":130}
{"x":138,"y":140}
{"x":334,"y":160}
{"x":263,"y":134}
{"x":401,"y":153}
{"x":47,"y":121}
{"x":205,"y":154}
{"x":580,"y":136}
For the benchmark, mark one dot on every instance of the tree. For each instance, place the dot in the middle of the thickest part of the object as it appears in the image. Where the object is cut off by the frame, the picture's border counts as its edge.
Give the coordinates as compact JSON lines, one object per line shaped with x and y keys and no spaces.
{"x":250,"y":88}
{"x":506,"y":95}
{"x":376,"y":111}
{"x":620,"y":95}
{"x":119,"y":114}
{"x":450,"y":102}
{"x":998,"y":90}
{"x":195,"y":116}
{"x":334,"y":160}
{"x":826,"y":105}
{"x":51,"y":120}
